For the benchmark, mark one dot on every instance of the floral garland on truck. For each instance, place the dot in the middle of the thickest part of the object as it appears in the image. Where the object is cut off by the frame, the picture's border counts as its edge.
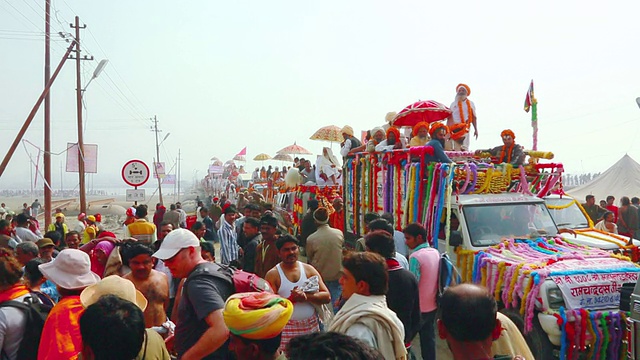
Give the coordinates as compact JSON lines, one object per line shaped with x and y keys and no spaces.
{"x":589,"y":279}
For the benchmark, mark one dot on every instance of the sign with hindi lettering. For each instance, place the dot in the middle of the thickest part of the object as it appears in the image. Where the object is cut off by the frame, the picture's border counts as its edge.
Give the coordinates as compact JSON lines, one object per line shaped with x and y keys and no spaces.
{"x":593,"y":290}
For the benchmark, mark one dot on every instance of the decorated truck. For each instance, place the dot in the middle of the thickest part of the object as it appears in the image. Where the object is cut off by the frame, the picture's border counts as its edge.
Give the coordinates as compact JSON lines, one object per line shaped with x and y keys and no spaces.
{"x":492,"y":219}
{"x":567,"y":212}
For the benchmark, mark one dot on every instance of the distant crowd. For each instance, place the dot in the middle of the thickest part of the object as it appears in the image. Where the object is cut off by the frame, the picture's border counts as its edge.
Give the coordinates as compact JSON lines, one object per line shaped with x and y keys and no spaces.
{"x":623,"y":219}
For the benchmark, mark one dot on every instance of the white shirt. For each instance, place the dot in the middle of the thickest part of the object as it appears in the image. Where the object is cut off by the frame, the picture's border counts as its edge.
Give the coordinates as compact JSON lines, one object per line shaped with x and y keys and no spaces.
{"x":24,"y":234}
{"x":344,"y":150}
{"x":455,"y":112}
{"x":382,"y":146}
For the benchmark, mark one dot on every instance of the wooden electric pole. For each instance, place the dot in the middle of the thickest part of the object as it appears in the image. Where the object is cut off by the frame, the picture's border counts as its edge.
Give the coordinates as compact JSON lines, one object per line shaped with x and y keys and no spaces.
{"x":157,"y":162}
{"x":47,"y":116}
{"x":81,"y":178}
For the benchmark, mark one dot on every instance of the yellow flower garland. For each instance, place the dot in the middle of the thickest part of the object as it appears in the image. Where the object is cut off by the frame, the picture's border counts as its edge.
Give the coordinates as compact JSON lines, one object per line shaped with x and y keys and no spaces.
{"x":501,"y":269}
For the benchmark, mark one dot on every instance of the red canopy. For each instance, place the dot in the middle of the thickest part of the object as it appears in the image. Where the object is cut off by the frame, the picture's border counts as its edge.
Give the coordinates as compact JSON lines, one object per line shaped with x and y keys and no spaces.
{"x":427,"y":110}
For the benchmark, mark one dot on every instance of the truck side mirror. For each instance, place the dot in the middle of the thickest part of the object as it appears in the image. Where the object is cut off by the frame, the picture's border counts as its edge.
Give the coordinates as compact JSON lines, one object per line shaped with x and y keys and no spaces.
{"x":455,"y":239}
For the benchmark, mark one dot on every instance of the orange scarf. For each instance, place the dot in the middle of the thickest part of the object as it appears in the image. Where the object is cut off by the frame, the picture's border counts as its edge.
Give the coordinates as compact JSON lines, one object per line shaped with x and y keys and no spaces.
{"x":509,"y":152}
{"x":13,"y":292}
{"x":61,"y":333}
{"x":469,"y":110}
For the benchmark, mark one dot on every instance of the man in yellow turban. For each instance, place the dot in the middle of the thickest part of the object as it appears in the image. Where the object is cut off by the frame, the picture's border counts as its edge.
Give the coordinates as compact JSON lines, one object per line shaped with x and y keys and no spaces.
{"x":350,"y":141}
{"x":255,"y":321}
{"x":463,"y":115}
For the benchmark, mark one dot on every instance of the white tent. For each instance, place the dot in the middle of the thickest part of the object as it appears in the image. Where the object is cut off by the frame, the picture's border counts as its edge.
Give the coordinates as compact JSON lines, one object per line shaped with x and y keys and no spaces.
{"x":621,"y":179}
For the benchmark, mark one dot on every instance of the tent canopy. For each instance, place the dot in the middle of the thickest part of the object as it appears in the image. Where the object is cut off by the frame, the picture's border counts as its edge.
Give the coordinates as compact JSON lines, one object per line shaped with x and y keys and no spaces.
{"x":621,"y":179}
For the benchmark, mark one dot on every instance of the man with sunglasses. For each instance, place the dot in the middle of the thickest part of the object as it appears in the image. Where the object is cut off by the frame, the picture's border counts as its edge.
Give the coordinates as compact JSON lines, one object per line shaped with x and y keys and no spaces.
{"x":200,"y":331}
{"x":509,"y":152}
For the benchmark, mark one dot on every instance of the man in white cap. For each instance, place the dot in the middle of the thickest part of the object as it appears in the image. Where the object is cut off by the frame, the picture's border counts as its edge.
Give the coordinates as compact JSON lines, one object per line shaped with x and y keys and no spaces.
{"x":200,"y":332}
{"x":71,"y":272}
{"x":350,"y":141}
{"x":463,"y":115}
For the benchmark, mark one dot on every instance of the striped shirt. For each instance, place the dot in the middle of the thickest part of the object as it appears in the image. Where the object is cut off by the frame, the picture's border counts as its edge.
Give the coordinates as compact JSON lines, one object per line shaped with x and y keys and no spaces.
{"x":228,"y":245}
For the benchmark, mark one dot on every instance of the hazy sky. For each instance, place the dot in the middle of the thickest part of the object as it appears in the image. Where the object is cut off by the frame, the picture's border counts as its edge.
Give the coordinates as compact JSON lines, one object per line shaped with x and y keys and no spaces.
{"x":224,"y":75}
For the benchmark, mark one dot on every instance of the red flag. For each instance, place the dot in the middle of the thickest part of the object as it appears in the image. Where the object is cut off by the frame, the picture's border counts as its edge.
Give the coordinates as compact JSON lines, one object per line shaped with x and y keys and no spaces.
{"x":242,"y":152}
{"x":530,"y":99}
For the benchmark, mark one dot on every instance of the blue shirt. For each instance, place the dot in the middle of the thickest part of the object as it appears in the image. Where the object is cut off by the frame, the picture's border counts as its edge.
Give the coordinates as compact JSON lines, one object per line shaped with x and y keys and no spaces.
{"x":228,"y":245}
{"x":438,"y":153}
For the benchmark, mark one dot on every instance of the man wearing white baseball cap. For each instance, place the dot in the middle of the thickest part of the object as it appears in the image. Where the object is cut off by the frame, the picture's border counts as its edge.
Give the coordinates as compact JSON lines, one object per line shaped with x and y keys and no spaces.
{"x":71,"y":272}
{"x":200,"y":332}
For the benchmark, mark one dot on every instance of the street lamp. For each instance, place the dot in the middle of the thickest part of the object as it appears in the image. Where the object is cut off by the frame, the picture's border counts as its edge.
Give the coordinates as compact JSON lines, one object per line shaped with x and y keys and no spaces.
{"x":97,"y":71}
{"x":163,"y":139}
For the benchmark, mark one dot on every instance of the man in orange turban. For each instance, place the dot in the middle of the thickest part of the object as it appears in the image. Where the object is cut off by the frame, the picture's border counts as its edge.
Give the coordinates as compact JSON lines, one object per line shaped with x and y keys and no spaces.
{"x":420,"y":134}
{"x":463,"y":115}
{"x":438,"y":134}
{"x":393,"y":141}
{"x":509,"y":152}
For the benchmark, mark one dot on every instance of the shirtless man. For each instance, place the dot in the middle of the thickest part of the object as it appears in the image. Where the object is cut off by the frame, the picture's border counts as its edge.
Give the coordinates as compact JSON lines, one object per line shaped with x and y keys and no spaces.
{"x":153,"y":284}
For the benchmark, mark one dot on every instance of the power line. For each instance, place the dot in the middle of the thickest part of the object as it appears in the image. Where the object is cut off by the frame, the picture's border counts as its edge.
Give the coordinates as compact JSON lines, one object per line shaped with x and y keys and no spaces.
{"x":23,"y":15}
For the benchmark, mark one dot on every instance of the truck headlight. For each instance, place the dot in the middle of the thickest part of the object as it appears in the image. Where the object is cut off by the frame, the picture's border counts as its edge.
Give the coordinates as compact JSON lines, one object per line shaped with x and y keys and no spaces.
{"x":554,"y":296}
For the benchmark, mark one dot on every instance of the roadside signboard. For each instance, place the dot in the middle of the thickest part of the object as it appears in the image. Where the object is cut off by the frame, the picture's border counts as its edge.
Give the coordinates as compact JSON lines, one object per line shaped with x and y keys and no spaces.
{"x":135,"y":195}
{"x":135,"y":173}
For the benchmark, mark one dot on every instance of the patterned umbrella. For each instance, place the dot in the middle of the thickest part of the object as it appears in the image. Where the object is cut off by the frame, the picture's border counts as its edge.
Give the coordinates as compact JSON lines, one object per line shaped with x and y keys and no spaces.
{"x":262,"y":157}
{"x":283,"y":157}
{"x":214,"y":159}
{"x":330,"y":133}
{"x":295,"y":149}
{"x":427,"y":110}
{"x":240,"y":158}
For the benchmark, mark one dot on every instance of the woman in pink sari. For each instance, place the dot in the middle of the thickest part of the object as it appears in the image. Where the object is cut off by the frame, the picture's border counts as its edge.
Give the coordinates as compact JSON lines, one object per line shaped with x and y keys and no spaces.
{"x":100,"y":255}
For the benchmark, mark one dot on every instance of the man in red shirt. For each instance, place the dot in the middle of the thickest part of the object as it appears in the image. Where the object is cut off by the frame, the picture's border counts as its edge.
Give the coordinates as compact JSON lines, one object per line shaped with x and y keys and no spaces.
{"x":612,"y":208}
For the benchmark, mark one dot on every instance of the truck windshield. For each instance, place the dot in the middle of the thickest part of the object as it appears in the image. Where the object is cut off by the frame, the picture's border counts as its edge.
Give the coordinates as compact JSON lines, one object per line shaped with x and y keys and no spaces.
{"x":568,"y":215}
{"x":489,"y":224}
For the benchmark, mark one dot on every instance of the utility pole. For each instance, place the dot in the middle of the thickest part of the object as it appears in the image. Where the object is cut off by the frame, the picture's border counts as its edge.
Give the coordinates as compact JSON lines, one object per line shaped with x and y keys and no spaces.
{"x":47,"y":116}
{"x":34,"y":110}
{"x":78,"y":58}
{"x":155,"y":129}
{"x":178,"y":175}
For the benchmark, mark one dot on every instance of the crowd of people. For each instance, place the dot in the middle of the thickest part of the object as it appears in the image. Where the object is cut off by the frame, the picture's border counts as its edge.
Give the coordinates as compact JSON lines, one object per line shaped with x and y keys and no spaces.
{"x":451,"y":134}
{"x":163,"y":288}
{"x":158,"y":291}
{"x":606,"y":216}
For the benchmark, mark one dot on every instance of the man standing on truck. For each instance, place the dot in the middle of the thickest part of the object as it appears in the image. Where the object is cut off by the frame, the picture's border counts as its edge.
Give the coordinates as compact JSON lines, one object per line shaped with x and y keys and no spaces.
{"x":438,"y":133}
{"x":509,"y":152}
{"x":463,"y":115}
{"x":350,"y":141}
{"x":424,"y":263}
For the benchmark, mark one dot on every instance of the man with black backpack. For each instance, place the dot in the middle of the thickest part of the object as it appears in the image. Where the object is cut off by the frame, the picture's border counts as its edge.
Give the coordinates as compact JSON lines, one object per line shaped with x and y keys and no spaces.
{"x":200,"y":331}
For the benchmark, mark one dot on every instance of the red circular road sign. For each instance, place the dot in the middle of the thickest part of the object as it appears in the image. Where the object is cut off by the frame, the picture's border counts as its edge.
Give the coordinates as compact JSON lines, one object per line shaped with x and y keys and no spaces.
{"x":135,"y":173}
